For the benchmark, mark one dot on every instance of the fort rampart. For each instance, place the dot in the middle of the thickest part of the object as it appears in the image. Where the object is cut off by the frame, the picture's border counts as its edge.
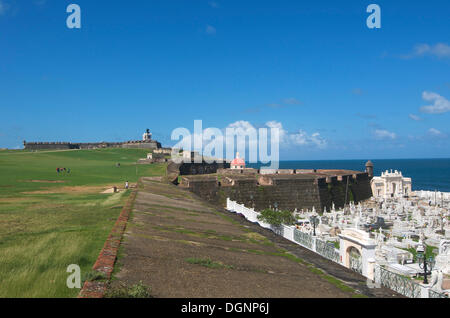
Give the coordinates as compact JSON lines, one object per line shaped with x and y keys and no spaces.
{"x":91,"y":145}
{"x":284,"y":191}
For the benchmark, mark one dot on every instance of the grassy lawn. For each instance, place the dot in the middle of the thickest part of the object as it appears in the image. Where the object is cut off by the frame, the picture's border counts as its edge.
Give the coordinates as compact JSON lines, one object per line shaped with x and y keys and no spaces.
{"x":49,"y":221}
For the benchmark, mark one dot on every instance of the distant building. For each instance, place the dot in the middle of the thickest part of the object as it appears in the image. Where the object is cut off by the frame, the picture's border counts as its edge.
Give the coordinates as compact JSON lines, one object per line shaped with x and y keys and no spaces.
{"x":147,"y":136}
{"x":237,"y":163}
{"x":391,"y":185}
{"x":146,"y":143}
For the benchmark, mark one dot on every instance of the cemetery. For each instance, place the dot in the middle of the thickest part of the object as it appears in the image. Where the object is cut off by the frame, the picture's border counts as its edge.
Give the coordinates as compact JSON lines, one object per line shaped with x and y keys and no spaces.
{"x":409,"y":252}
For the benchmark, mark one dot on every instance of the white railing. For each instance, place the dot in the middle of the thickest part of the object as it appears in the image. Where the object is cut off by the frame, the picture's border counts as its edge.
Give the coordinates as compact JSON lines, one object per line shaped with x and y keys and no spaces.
{"x":290,"y":233}
{"x":398,"y":283}
{"x":432,"y":195}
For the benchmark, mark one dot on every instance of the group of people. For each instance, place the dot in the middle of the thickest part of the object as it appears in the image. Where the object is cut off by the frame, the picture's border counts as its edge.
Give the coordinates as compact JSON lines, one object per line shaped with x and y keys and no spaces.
{"x":58,"y":170}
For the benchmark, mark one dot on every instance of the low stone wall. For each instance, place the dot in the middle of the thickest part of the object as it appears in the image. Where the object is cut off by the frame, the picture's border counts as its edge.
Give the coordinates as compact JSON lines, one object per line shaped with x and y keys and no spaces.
{"x":108,"y":255}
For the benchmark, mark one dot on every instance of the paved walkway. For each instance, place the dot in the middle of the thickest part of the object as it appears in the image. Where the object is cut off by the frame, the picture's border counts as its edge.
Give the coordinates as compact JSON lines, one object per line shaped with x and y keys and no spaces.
{"x":183,"y":247}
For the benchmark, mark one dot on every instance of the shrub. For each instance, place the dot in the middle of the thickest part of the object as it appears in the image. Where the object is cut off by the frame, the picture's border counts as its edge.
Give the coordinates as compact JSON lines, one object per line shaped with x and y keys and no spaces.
{"x":93,"y":276}
{"x":138,"y":290}
{"x":277,"y":217}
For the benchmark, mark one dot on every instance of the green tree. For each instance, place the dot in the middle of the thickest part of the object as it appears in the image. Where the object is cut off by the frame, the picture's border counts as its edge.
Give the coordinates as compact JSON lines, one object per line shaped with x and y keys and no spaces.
{"x":276,"y":217}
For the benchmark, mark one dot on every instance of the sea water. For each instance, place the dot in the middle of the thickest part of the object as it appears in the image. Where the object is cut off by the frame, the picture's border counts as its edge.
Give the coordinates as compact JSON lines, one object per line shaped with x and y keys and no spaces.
{"x":426,"y":174}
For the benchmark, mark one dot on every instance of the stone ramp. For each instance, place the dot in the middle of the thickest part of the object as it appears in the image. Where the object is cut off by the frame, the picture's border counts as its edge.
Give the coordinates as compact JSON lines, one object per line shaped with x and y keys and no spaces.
{"x":183,"y":247}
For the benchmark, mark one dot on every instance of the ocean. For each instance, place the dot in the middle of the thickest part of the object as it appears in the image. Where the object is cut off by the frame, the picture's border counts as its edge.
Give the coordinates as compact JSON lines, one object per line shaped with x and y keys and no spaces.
{"x":426,"y":174}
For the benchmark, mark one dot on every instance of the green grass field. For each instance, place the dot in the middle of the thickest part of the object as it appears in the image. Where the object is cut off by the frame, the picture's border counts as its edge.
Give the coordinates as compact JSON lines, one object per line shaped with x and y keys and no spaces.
{"x":49,"y":221}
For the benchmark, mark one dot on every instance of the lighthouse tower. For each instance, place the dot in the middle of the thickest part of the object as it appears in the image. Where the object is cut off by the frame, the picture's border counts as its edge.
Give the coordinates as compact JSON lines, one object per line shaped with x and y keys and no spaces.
{"x":147,"y":136}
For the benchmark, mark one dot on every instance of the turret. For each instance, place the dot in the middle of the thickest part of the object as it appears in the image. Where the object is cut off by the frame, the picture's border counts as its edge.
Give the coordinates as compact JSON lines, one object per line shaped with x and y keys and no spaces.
{"x":369,"y":168}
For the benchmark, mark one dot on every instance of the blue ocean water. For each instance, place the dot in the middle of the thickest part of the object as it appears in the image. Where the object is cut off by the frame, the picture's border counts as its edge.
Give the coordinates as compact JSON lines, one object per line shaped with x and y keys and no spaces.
{"x":426,"y":174}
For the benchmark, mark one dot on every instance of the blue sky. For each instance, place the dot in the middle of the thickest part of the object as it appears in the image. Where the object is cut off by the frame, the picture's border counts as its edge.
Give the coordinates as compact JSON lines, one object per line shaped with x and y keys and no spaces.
{"x":338,"y":89}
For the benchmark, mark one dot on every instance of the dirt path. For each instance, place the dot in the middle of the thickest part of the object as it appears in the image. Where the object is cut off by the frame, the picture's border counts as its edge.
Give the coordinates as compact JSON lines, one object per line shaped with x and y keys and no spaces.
{"x":181,"y":246}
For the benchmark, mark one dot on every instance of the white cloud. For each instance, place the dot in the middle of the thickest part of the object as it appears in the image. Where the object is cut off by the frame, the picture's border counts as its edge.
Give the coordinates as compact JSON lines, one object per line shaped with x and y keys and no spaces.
{"x":244,"y":128}
{"x":241,"y":124}
{"x":436,"y":133}
{"x":249,"y":137}
{"x":275,"y":124}
{"x":210,"y":30}
{"x":440,"y":104}
{"x":414,"y":117}
{"x":384,"y":134}
{"x":440,"y":50}
{"x":300,"y":138}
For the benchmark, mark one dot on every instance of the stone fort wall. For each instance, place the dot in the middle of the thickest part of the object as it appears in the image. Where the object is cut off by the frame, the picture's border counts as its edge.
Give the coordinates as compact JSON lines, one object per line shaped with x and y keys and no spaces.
{"x":91,"y":145}
{"x":192,"y":168}
{"x":285,"y":193}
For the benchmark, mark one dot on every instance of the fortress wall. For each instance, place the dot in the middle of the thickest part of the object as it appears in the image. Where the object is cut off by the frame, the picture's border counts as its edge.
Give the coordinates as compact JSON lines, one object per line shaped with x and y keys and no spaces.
{"x":287,"y":193}
{"x":89,"y":145}
{"x":184,"y":168}
{"x":141,"y":145}
{"x":48,"y":146}
{"x":361,"y":188}
{"x":93,"y":145}
{"x":231,"y":172}
{"x":207,"y":189}
{"x":358,"y":190}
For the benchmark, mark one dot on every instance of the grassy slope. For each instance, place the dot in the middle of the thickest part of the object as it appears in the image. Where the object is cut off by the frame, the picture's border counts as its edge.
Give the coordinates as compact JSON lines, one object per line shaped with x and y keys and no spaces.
{"x":66,"y":223}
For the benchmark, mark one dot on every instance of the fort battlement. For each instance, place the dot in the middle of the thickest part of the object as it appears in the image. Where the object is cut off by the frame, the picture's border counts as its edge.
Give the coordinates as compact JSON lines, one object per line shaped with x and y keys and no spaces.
{"x":90,"y":145}
{"x":289,"y":189}
{"x":146,"y":143}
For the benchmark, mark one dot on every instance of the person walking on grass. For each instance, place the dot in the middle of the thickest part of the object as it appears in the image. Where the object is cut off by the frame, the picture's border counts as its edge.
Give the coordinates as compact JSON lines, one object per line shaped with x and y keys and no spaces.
{"x":126,"y":185}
